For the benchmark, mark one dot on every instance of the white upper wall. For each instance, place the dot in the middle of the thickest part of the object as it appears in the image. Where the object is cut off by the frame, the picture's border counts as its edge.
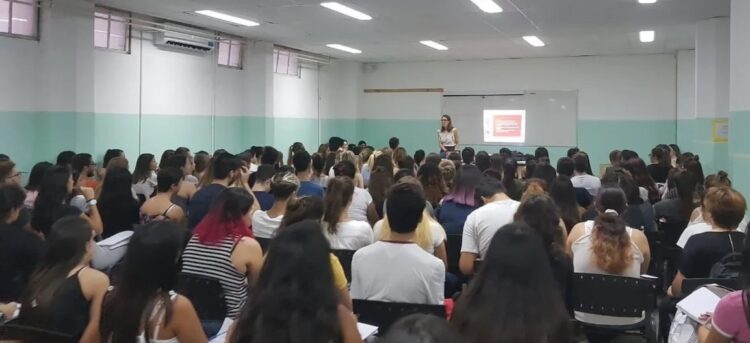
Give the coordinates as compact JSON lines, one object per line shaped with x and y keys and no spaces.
{"x":609,"y":87}
{"x":686,"y":84}
{"x":340,"y":89}
{"x":296,"y":97}
{"x":19,"y":59}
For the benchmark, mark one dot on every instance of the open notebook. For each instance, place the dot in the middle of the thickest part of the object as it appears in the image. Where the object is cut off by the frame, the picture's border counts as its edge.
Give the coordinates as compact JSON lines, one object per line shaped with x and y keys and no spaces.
{"x":365,"y":331}
{"x":702,"y":301}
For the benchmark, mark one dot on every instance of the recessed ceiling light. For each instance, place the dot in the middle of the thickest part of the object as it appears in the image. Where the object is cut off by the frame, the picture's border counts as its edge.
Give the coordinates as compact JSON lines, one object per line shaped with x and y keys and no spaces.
{"x":488,"y":6}
{"x":647,"y":36}
{"x":434,"y":45}
{"x":533,"y":41}
{"x":344,"y":48}
{"x":647,"y":1}
{"x":335,"y":6}
{"x":226,"y":17}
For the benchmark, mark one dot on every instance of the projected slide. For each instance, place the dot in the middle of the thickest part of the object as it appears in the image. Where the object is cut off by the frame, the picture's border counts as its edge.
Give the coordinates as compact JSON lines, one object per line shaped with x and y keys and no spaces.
{"x":504,"y":126}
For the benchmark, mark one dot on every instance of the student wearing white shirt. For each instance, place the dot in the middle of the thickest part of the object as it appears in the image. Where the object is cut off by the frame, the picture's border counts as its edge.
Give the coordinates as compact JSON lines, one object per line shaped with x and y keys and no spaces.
{"x":482,"y":224}
{"x":581,"y":179}
{"x":398,"y":270}
{"x":344,"y":232}
{"x":284,"y":186}
{"x":361,"y":199}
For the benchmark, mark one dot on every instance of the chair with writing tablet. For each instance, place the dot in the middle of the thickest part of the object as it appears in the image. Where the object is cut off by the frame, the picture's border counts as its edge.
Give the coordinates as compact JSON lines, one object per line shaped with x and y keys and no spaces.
{"x":205,"y":293}
{"x":345,"y":258}
{"x":383,"y":314}
{"x":27,"y":334}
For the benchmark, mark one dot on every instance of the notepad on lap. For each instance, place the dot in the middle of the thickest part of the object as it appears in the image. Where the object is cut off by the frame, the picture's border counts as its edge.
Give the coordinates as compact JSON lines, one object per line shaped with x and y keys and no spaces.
{"x":700,"y":302}
{"x":366,"y":330}
{"x":221,"y":337}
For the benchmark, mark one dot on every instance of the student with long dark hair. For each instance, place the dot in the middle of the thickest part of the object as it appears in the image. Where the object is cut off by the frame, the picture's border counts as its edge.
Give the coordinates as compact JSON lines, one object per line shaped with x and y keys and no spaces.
{"x":35,"y":180}
{"x":361,"y":199}
{"x":20,"y":249}
{"x":187,"y":188}
{"x":343,"y":232}
{"x":513,"y":186}
{"x":144,"y":175}
{"x":53,"y":201}
{"x":647,"y":187}
{"x":563,"y":194}
{"x":117,"y":207}
{"x":84,"y":170}
{"x":143,"y":307}
{"x":318,"y":166}
{"x":293,"y":300}
{"x":639,"y":214}
{"x":482,"y":161}
{"x":674,"y":214}
{"x":160,"y":206}
{"x":461,"y":201}
{"x":432,"y":183}
{"x":65,"y":295}
{"x":513,"y":297}
{"x":222,"y":247}
{"x":381,"y":179}
{"x":661,"y":164}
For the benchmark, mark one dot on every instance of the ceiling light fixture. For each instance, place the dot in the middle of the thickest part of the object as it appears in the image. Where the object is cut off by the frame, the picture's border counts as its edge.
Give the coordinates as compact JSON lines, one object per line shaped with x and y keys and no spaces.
{"x":647,"y":36}
{"x":433,"y":44}
{"x":647,"y":1}
{"x":228,"y":18}
{"x":488,"y":6}
{"x":534,"y":41}
{"x":345,"y":10}
{"x":344,"y":48}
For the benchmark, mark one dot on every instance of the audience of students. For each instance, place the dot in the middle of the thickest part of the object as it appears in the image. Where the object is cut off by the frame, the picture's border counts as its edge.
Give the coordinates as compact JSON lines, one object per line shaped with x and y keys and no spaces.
{"x":661,"y":164}
{"x":284,"y":186}
{"x":226,"y":169}
{"x":562,"y":192}
{"x":144,"y":176}
{"x":342,"y":230}
{"x":33,"y":183}
{"x":361,"y":199}
{"x":461,"y":201}
{"x":118,"y":208}
{"x":303,"y":168}
{"x":432,"y":183}
{"x":160,"y":206}
{"x":20,"y":249}
{"x":582,"y":178}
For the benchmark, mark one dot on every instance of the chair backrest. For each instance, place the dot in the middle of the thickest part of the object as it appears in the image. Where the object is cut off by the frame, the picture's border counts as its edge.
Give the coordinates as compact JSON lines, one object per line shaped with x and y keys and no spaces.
{"x":609,"y":295}
{"x":453,"y":250}
{"x":345,"y":258}
{"x":383,"y":314}
{"x":205,"y":293}
{"x":27,"y":334}
{"x":264,"y":243}
{"x":690,"y":285}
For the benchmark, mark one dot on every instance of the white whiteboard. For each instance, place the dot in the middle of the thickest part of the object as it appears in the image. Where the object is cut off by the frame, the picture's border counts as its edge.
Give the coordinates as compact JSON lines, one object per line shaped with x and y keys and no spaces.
{"x":551,"y":116}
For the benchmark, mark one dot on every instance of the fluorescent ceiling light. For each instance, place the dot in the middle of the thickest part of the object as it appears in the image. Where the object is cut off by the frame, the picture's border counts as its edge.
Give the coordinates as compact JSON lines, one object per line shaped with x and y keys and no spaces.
{"x":647,"y":1}
{"x":434,"y":45}
{"x":344,"y":48}
{"x":226,"y":17}
{"x":647,"y":36}
{"x":335,"y":6}
{"x":488,"y":6}
{"x":533,"y":41}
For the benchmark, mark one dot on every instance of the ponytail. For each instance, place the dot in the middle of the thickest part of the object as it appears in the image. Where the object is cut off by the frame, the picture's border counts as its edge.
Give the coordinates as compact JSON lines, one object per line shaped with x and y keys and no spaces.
{"x":338,"y":196}
{"x":610,"y":243}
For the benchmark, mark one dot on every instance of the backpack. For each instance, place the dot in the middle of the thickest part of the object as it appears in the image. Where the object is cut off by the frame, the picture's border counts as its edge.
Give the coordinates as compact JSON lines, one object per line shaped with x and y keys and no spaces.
{"x":729,"y":267}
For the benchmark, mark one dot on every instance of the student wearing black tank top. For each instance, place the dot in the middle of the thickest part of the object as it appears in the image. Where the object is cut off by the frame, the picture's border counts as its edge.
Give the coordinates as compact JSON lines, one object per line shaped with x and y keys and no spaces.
{"x":65,"y":295}
{"x":160,"y":206}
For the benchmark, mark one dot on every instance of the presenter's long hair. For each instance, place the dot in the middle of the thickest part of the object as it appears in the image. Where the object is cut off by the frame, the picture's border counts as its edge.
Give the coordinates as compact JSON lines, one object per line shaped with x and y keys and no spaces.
{"x":449,"y":127}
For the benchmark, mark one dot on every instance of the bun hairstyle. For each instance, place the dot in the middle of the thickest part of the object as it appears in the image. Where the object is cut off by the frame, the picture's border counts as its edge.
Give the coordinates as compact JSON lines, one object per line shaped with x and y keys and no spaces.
{"x":720,"y":179}
{"x":610,"y":242}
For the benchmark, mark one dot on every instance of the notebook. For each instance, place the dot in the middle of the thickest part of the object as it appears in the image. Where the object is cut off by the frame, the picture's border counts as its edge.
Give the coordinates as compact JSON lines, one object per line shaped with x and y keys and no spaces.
{"x":702,"y":301}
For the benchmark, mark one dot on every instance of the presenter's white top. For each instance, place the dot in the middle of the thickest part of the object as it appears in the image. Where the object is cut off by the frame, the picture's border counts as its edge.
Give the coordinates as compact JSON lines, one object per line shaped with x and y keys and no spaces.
{"x":447,"y":138}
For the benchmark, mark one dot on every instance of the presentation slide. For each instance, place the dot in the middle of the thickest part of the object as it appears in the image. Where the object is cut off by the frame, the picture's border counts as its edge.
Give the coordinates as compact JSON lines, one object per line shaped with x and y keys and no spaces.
{"x":504,"y":126}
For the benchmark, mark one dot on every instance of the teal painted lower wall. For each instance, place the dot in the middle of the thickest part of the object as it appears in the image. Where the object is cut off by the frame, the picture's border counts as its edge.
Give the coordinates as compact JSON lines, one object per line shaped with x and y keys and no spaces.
{"x":33,"y":136}
{"x":739,"y":150}
{"x":695,"y":135}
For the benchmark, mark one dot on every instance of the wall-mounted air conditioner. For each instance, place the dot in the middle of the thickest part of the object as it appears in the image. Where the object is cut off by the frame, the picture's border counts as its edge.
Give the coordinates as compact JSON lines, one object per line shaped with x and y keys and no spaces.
{"x":182,"y":41}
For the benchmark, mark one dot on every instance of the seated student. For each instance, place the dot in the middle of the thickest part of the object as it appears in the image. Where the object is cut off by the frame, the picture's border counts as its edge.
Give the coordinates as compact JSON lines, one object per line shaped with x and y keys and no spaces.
{"x":64,"y":158}
{"x":188,"y":188}
{"x":607,"y":246}
{"x":64,"y":295}
{"x":448,"y":171}
{"x":433,"y":184}
{"x":481,"y":225}
{"x":513,"y":186}
{"x":293,"y":300}
{"x":144,"y":176}
{"x":52,"y":202}
{"x":381,"y":179}
{"x":422,"y":328}
{"x":302,"y":166}
{"x":160,"y":206}
{"x":513,"y":297}
{"x":20,"y":249}
{"x":311,"y":208}
{"x":646,"y":186}
{"x":661,"y":164}
{"x":398,"y":270}
{"x":262,"y":186}
{"x":361,"y":199}
{"x":343,"y":231}
{"x":202,"y":160}
{"x":640,"y":213}
{"x":429,"y":235}
{"x":83,"y":168}
{"x":189,"y":166}
{"x":117,"y":206}
{"x":284,"y":186}
{"x":319,"y":176}
{"x":143,"y":307}
{"x":222,"y":248}
{"x":540,"y":214}
{"x":674,"y":214}
{"x":581,"y":179}
{"x":226,"y":168}
{"x":563,"y":194}
{"x":723,"y":209}
{"x":35,"y":180}
{"x":461,"y":201}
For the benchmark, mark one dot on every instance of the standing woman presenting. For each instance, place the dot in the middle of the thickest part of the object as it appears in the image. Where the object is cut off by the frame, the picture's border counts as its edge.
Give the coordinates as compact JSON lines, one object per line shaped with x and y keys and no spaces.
{"x":447,"y":135}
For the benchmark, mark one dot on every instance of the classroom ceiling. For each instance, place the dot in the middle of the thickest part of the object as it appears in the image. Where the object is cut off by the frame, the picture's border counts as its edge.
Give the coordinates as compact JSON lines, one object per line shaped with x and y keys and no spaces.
{"x":568,"y":27}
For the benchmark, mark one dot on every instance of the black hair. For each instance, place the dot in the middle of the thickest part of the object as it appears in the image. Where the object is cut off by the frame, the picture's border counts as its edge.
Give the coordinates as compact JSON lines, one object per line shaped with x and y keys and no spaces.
{"x":572,"y":152}
{"x":36,"y":175}
{"x":166,"y":178}
{"x":531,"y":164}
{"x":142,"y":168}
{"x":79,"y":162}
{"x":419,"y":156}
{"x":615,"y":156}
{"x":661,"y":154}
{"x":293,"y":300}
{"x":540,"y":213}
{"x":566,"y":166}
{"x":330,"y":161}
{"x":496,"y":162}
{"x":202,"y":161}
{"x":265,"y":172}
{"x":454,"y":156}
{"x":433,"y":158}
{"x":301,"y":209}
{"x":65,"y":158}
{"x":53,"y":192}
{"x":345,"y":168}
{"x":541,"y":152}
{"x":384,"y":161}
{"x":224,"y":164}
{"x":467,"y":155}
{"x":431,"y":178}
{"x":627,"y":155}
{"x":334,"y":143}
{"x":393,"y":143}
{"x":148,"y":271}
{"x":301,"y":161}
{"x":402,"y":173}
{"x":505,"y":152}
{"x":581,"y":162}
{"x":406,"y":163}
{"x":482,"y":160}
{"x":381,"y":180}
{"x":421,"y":328}
{"x":338,"y":195}
{"x":545,"y":172}
{"x":109,"y":155}
{"x":510,"y":167}
{"x":177,"y":161}
{"x":362,"y":143}
{"x":281,"y":188}
{"x":11,"y":198}
{"x":270,"y":156}
{"x":405,"y":207}
{"x":611,"y":198}
{"x":318,"y":163}
{"x":165,"y":156}
{"x":116,"y":202}
{"x":637,"y":168}
{"x":4,"y":157}
{"x":563,"y":193}
{"x":488,"y":187}
{"x":514,"y":297}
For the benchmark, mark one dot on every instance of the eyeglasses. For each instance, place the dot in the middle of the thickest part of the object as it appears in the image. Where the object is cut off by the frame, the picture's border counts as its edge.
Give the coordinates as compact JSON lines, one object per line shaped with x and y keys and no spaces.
{"x":444,"y":120}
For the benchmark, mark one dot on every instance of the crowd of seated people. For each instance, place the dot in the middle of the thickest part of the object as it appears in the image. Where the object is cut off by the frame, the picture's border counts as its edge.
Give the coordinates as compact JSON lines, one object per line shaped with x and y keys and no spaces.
{"x":272,"y":232}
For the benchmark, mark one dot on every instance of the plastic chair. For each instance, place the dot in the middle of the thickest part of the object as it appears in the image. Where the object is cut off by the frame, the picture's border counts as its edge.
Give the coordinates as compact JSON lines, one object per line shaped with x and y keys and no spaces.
{"x":264,"y":243}
{"x":27,"y":334}
{"x":345,"y":258}
{"x":690,"y":285}
{"x":206,"y":294}
{"x":453,"y":250}
{"x":384,"y":314}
